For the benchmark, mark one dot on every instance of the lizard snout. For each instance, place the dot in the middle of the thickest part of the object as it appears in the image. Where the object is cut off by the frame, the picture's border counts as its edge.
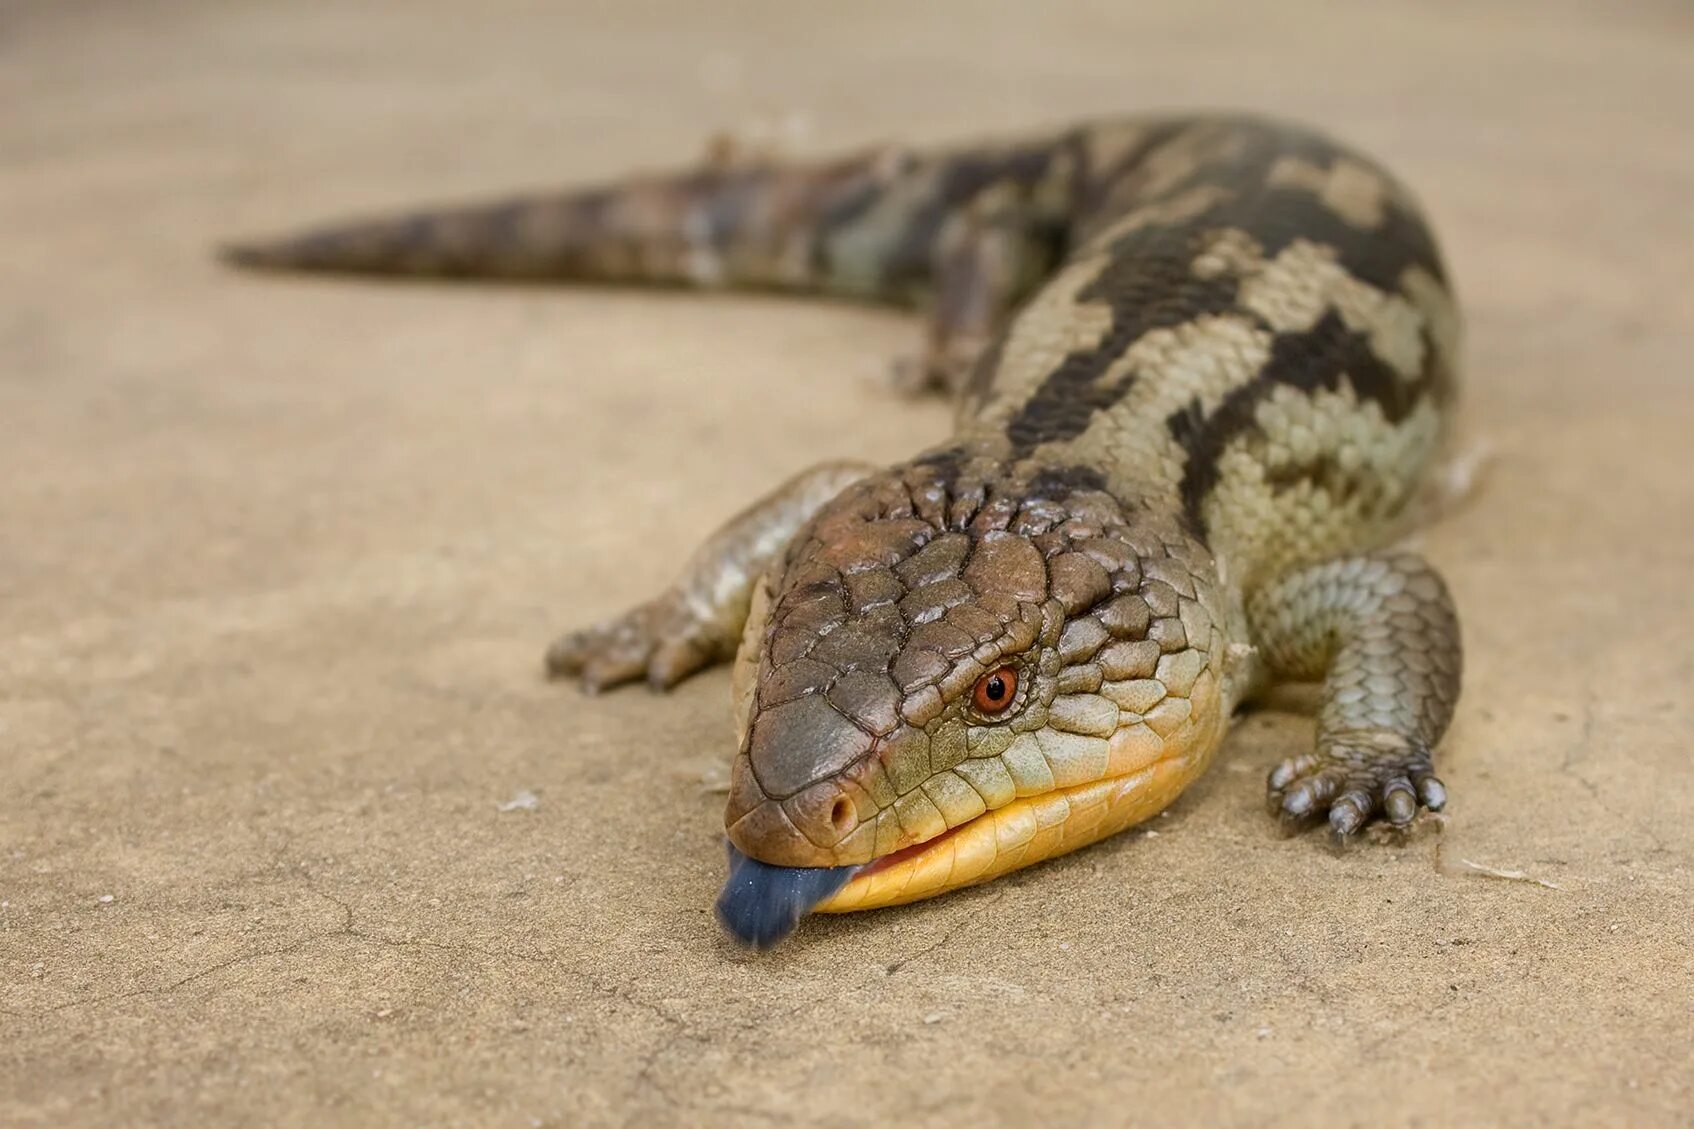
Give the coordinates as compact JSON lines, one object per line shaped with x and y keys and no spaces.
{"x":814,"y":827}
{"x":791,"y":800}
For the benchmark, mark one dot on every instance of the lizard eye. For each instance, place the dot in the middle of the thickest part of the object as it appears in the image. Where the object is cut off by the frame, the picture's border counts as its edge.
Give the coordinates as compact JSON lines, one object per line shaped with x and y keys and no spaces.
{"x":995,"y":691}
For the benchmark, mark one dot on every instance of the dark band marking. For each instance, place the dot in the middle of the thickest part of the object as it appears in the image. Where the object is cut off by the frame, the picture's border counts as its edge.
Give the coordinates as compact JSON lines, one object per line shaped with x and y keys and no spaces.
{"x":1148,"y":284}
{"x":1060,"y":482}
{"x":1094,"y":186}
{"x":910,"y":265}
{"x":1148,"y":287}
{"x":1278,"y":215}
{"x":1318,"y":358}
{"x":1379,"y":256}
{"x":1323,"y":472}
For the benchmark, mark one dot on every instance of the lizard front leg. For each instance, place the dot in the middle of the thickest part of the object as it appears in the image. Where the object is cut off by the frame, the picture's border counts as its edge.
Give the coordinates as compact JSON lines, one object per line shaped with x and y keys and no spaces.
{"x":697,"y":621}
{"x":1381,"y":632}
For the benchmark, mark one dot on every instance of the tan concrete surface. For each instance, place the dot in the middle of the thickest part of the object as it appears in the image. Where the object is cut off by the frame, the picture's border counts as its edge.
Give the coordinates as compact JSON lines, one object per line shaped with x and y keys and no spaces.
{"x":278,"y":560}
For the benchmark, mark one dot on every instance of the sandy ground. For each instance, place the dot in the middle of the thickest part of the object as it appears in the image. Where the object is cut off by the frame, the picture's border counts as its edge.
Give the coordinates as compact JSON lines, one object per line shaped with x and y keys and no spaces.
{"x":278,"y":560}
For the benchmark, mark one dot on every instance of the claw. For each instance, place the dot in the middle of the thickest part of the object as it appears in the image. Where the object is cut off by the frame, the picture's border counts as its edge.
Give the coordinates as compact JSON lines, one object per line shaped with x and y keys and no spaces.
{"x":1340,"y":841}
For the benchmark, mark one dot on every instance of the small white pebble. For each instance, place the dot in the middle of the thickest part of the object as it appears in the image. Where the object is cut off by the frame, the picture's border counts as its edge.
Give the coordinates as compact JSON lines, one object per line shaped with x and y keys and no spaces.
{"x":932,"y":1017}
{"x":1264,"y":1032}
{"x":525,"y":800}
{"x":385,"y":1013}
{"x":1064,"y":946}
{"x":107,"y":899}
{"x":1149,"y":834}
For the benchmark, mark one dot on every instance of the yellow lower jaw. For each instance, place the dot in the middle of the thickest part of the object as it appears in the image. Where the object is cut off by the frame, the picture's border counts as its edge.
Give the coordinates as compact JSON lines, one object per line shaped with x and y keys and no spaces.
{"x":1023,"y":832}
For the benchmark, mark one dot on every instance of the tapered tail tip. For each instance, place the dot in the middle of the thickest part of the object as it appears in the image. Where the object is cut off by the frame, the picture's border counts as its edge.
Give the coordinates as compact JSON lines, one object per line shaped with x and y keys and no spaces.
{"x":240,"y":254}
{"x":364,"y":248}
{"x":254,"y":256}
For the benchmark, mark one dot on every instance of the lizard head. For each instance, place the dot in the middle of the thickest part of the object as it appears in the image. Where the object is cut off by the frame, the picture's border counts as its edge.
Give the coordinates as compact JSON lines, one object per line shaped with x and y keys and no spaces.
{"x":960,"y":669}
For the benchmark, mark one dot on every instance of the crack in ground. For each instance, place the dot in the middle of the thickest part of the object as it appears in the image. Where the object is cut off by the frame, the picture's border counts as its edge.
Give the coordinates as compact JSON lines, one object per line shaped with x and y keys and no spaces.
{"x":963,"y":924}
{"x":346,"y":928}
{"x":166,"y":989}
{"x":1568,"y":768}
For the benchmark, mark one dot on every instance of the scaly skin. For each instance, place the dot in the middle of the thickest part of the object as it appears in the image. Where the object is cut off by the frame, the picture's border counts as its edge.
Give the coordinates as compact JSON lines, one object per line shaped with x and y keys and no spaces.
{"x":1172,"y":469}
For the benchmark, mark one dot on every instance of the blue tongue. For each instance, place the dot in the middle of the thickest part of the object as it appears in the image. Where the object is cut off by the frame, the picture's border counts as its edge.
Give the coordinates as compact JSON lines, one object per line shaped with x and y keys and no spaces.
{"x":761,"y":904}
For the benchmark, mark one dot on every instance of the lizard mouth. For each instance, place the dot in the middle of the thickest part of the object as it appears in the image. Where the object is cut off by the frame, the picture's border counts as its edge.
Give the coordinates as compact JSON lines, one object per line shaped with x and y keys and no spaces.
{"x":761,"y":904}
{"x":906,"y":854}
{"x":1022,"y":833}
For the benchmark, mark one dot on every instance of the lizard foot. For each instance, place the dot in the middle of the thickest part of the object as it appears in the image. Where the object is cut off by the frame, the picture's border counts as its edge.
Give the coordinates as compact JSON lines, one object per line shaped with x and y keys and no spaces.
{"x":662,"y":640}
{"x":1353,"y":778}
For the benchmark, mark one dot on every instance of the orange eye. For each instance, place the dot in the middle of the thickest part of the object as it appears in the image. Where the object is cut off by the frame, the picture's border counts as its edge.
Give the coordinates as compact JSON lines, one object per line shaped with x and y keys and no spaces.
{"x":995,"y":691}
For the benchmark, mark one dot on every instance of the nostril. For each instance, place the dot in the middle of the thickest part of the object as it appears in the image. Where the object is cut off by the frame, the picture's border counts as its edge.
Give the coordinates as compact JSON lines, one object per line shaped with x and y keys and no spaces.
{"x":841,"y":815}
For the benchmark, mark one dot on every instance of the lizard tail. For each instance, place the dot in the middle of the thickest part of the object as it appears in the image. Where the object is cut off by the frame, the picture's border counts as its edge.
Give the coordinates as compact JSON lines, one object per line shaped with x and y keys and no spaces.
{"x":760,"y":226}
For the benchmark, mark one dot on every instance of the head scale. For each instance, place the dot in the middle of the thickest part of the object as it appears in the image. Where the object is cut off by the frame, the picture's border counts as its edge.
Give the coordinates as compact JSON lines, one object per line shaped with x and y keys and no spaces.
{"x":950,"y":636}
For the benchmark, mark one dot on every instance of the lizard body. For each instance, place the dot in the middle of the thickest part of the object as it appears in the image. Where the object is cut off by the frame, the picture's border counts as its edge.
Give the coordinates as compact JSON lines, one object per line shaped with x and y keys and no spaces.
{"x":1201,"y":365}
